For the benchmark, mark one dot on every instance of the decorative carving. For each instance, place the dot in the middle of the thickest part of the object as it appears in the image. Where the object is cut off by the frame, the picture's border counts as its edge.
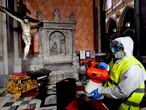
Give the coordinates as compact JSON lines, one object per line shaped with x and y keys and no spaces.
{"x":57,"y":43}
{"x":56,"y":14}
{"x":72,"y":17}
{"x":38,"y":14}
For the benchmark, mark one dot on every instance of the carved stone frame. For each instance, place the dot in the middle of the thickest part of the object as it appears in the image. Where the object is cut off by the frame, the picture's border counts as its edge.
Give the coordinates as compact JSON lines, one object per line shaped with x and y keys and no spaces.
{"x":64,"y":29}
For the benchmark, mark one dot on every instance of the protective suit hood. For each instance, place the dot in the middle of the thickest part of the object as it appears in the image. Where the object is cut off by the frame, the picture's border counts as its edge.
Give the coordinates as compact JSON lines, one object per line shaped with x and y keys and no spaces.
{"x":127,"y":43}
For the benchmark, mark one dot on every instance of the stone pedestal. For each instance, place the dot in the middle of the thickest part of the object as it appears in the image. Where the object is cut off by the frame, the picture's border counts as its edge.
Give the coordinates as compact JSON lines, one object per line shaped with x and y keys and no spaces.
{"x":58,"y":49}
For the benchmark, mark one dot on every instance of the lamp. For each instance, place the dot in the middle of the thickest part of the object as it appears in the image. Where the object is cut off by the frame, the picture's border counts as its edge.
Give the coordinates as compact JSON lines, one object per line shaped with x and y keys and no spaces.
{"x":127,"y":24}
{"x":114,"y":30}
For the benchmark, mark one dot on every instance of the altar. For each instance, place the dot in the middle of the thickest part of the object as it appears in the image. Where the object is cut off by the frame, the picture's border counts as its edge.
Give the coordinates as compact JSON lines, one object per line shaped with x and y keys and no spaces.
{"x":58,"y":47}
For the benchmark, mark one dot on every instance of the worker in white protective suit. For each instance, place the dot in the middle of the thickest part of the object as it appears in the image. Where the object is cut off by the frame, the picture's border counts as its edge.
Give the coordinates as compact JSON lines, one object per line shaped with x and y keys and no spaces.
{"x":125,"y":87}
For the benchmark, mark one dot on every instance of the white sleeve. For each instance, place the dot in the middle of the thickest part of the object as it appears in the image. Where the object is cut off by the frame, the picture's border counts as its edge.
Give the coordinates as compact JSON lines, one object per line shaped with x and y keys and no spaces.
{"x":129,"y":81}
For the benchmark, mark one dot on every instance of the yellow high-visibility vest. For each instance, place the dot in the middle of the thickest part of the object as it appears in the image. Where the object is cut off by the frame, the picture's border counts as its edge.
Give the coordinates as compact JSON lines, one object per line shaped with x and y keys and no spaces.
{"x":132,"y":103}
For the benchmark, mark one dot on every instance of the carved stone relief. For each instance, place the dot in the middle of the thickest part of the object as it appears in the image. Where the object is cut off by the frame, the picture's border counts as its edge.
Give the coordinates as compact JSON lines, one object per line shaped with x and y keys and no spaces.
{"x":56,"y":15}
{"x":57,"y":44}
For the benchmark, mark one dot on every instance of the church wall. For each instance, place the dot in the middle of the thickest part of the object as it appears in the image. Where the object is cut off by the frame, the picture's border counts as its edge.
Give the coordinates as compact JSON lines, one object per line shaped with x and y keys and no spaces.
{"x":83,"y":9}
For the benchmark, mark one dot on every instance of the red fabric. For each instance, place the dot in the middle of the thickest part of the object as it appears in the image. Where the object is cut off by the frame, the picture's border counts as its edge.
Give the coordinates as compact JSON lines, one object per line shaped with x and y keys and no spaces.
{"x":31,"y":93}
{"x":18,"y":74}
{"x":80,"y":104}
{"x":98,"y":105}
{"x":80,"y":88}
{"x":74,"y":105}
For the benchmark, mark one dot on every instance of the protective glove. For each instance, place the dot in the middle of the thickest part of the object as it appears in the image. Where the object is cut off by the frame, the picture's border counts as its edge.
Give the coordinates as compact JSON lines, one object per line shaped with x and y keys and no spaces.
{"x":95,"y":95}
{"x":104,"y":66}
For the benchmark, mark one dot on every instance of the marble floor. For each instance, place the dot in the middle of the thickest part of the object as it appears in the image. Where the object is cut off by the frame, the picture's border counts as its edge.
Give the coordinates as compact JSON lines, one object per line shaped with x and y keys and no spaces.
{"x":7,"y":101}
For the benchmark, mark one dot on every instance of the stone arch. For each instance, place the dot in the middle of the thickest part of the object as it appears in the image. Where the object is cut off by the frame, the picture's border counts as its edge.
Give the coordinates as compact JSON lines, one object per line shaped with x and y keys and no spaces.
{"x":127,"y":14}
{"x":110,"y":25}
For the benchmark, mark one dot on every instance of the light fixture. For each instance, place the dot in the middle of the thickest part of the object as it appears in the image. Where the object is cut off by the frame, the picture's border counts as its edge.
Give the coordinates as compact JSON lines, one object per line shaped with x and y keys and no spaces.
{"x":114,"y":30}
{"x":127,"y":24}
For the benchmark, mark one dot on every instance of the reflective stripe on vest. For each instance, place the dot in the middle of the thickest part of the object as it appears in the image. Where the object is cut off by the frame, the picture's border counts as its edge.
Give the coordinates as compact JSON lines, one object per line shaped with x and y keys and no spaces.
{"x":135,"y":103}
{"x":115,"y":74}
{"x":131,"y":103}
